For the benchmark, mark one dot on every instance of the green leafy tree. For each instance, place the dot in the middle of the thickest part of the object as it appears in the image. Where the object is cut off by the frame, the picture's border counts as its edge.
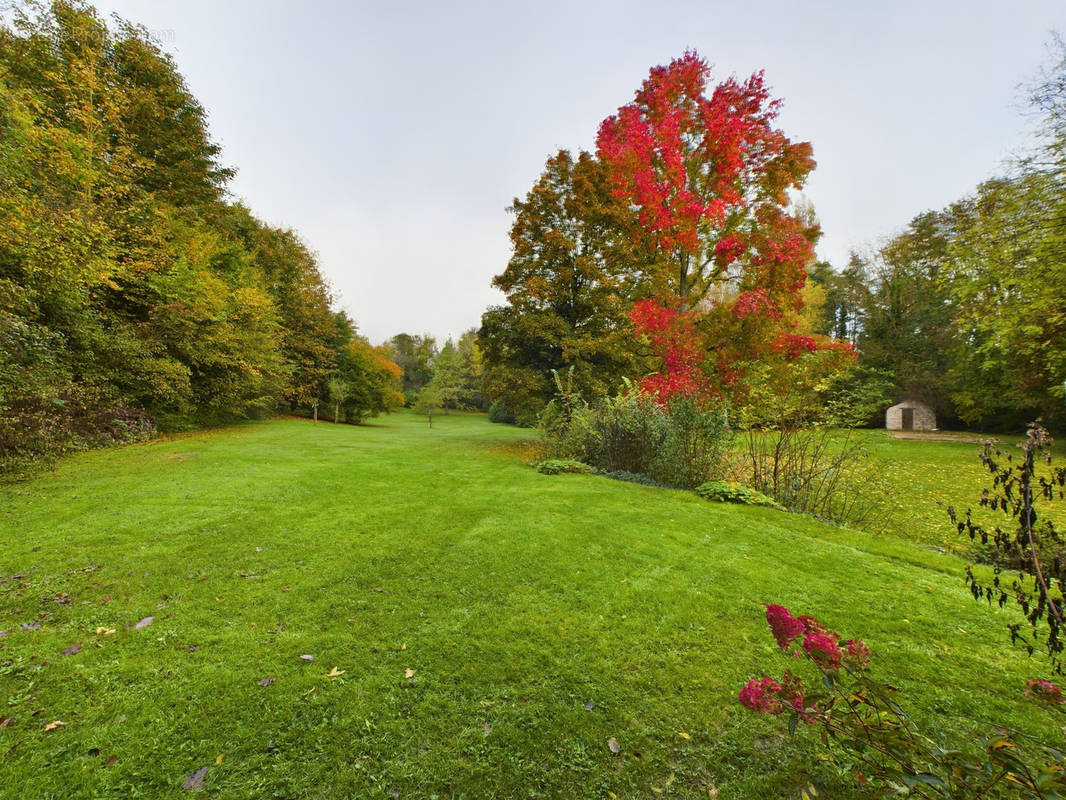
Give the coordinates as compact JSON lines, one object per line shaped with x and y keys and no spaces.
{"x":907,"y":323}
{"x":570,"y":280}
{"x":448,"y":375}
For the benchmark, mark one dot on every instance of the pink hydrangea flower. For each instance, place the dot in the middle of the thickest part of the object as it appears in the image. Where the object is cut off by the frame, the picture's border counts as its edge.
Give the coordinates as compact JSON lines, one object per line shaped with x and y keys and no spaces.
{"x":857,"y":653}
{"x":784,"y":626}
{"x":825,"y":651}
{"x":762,"y":696}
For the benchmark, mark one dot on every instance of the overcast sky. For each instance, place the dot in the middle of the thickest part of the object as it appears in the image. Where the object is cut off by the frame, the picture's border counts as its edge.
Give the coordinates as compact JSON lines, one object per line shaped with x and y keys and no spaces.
{"x":392,"y":136}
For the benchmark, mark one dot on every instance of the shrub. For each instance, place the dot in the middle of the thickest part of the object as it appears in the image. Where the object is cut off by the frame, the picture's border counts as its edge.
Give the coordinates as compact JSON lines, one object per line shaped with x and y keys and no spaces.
{"x":730,"y":492}
{"x":556,"y":466}
{"x":697,"y":443}
{"x":679,"y":444}
{"x":1034,"y":550}
{"x":866,"y":732}
{"x":498,"y":413}
{"x":630,"y":430}
{"x":815,"y":471}
{"x":632,"y":477}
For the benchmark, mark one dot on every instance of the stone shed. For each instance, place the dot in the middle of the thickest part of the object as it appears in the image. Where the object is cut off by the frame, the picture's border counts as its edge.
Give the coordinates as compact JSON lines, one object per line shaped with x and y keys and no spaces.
{"x":910,"y":415}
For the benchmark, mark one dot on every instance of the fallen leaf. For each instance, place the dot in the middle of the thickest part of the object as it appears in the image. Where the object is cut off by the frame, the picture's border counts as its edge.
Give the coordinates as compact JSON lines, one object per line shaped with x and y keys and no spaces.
{"x":683,"y":735}
{"x":105,"y":631}
{"x":5,"y":721}
{"x":267,"y":681}
{"x":612,"y":795}
{"x":72,"y":650}
{"x":612,"y":745}
{"x":196,"y":780}
{"x":4,"y":633}
{"x":31,"y":626}
{"x":193,"y":648}
{"x":712,"y":791}
{"x":306,"y":657}
{"x":18,"y":576}
{"x":62,"y":598}
{"x":487,"y":728}
{"x":218,"y":761}
{"x":110,"y":760}
{"x":259,"y":549}
{"x":51,"y":726}
{"x":589,"y":705}
{"x":403,"y":647}
{"x":335,"y":673}
{"x":144,"y":623}
{"x":656,"y":789}
{"x":408,"y":673}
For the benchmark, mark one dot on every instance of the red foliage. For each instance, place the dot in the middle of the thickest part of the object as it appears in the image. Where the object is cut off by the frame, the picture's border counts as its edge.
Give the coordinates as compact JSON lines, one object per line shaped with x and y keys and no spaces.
{"x":708,"y":174}
{"x":674,"y":339}
{"x":685,"y":159}
{"x":792,"y":346}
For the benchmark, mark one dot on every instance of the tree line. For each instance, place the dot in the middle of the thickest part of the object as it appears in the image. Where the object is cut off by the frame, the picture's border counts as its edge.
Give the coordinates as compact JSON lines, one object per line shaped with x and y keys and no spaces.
{"x":680,"y":255}
{"x":134,"y":292}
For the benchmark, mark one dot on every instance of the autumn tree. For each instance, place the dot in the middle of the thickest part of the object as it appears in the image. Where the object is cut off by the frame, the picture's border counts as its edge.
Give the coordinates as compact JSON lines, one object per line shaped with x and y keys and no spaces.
{"x":131,"y":290}
{"x":709,"y":176}
{"x":571,"y":277}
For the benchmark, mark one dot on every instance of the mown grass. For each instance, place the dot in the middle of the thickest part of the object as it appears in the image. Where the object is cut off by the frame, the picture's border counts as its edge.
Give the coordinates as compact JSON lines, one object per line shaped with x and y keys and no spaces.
{"x":539,"y":616}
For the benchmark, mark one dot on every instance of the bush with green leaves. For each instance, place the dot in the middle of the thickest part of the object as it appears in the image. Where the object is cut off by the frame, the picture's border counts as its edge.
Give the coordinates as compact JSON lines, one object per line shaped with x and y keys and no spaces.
{"x":731,"y":492}
{"x":557,"y":466}
{"x":681,"y":444}
{"x":697,"y":444}
{"x":497,"y":413}
{"x":631,"y":477}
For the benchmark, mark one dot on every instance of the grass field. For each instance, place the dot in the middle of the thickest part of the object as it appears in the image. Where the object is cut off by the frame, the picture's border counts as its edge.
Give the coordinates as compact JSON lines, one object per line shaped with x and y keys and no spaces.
{"x":488,"y":628}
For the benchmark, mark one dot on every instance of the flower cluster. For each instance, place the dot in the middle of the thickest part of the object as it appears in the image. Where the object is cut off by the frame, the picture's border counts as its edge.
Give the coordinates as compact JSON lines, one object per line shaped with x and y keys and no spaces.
{"x":820,"y":644}
{"x":767,"y":696}
{"x":783,"y":625}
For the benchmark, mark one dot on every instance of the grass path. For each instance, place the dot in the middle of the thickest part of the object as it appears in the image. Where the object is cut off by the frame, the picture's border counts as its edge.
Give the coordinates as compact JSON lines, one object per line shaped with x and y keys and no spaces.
{"x":494,"y":627}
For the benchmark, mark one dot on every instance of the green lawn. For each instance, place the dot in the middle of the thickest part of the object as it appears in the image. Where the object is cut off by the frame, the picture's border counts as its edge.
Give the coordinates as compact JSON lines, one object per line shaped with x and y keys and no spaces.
{"x":494,"y":627}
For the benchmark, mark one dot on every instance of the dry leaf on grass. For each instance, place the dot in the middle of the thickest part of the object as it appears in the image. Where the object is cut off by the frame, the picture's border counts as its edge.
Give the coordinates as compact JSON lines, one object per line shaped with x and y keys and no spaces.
{"x":408,"y":673}
{"x":307,"y":657}
{"x":196,"y":780}
{"x":74,"y":649}
{"x":335,"y":673}
{"x":613,"y":746}
{"x":267,"y":681}
{"x":51,"y":726}
{"x":144,"y":623}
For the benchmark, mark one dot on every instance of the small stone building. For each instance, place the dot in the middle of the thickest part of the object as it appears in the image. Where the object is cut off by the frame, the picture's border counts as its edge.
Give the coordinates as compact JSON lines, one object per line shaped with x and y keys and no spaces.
{"x":910,"y":415}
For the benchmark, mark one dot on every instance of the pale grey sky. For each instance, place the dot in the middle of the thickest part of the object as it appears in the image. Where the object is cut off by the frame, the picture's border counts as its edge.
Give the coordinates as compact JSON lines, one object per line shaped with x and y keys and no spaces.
{"x":393,"y":136}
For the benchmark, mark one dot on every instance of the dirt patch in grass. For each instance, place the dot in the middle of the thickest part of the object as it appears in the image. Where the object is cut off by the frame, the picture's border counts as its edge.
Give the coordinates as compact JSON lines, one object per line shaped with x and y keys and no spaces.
{"x":919,"y":436}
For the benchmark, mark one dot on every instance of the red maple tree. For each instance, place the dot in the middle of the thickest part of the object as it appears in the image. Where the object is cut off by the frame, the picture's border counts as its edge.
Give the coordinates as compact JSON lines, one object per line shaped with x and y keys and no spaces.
{"x":708,"y":175}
